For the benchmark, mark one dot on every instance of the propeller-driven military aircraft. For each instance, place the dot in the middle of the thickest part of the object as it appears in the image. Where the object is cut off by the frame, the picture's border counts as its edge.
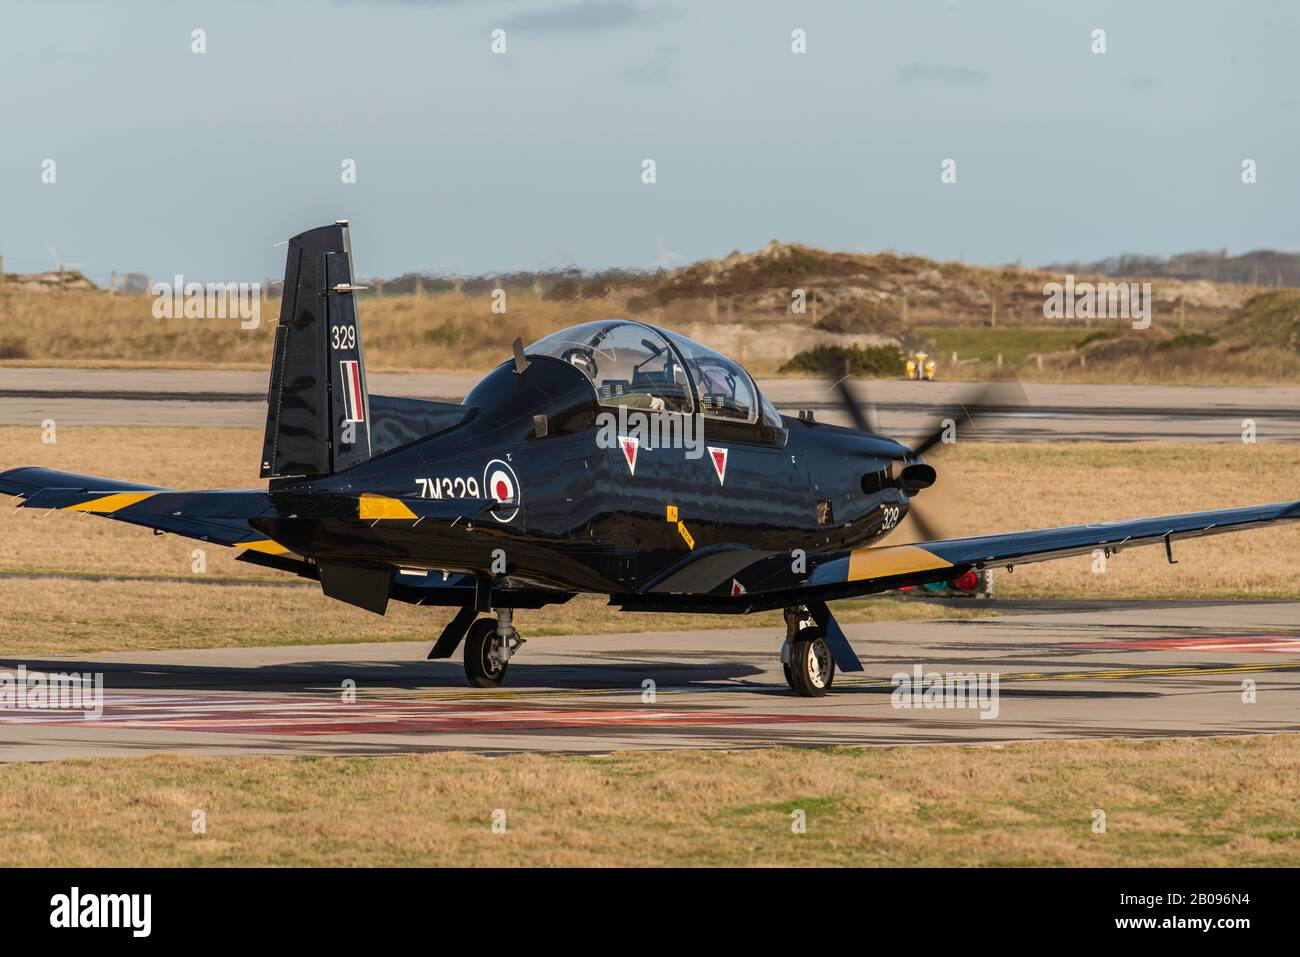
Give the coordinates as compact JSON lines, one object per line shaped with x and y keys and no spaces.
{"x":613,"y":458}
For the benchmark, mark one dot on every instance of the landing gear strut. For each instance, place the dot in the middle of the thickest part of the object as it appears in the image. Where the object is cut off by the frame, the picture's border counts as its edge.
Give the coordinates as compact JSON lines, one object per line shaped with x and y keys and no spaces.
{"x":805,"y":657}
{"x":489,"y":646}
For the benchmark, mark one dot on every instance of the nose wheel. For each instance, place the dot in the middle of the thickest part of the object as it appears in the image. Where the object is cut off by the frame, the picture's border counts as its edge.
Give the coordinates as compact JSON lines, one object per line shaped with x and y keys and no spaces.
{"x":805,"y":657}
{"x":811,"y":669}
{"x":488,"y":652}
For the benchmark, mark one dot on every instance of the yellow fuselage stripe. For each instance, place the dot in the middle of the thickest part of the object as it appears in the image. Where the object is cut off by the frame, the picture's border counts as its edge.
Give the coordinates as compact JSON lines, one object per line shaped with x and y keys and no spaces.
{"x":265,"y":545}
{"x":381,"y":506}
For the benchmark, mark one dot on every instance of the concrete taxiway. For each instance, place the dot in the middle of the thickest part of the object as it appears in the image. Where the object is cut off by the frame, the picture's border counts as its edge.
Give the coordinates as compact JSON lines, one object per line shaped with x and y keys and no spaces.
{"x":1107,"y":413}
{"x":1135,"y":669}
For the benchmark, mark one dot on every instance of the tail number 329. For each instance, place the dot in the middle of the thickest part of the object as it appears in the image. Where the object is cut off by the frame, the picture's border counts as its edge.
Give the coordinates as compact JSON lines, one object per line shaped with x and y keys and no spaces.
{"x":343,"y":337}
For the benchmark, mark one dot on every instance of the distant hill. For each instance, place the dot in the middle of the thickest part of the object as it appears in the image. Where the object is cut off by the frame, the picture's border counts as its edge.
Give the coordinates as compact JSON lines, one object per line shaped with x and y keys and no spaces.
{"x":1264,"y":268}
{"x":845,"y":292}
{"x":781,"y":308}
{"x":56,"y":280}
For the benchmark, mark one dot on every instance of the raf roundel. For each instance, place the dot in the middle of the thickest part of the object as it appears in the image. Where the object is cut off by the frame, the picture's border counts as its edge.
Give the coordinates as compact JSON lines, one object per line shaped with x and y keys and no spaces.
{"x":501,"y":483}
{"x":502,"y":487}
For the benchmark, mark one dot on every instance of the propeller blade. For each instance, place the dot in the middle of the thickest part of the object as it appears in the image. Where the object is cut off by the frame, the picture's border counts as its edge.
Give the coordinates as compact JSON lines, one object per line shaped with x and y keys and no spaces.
{"x":859,"y":412}
{"x":1008,"y":391}
{"x":927,"y":531}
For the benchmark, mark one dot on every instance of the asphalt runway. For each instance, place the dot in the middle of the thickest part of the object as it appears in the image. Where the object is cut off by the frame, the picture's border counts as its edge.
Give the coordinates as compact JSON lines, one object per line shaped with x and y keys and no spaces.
{"x":1131,"y":669}
{"x":906,"y":410}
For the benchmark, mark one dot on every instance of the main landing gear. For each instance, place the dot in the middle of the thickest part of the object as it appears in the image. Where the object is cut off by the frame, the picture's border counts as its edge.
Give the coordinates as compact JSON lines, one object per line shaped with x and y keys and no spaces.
{"x":489,"y":646}
{"x":805,"y":657}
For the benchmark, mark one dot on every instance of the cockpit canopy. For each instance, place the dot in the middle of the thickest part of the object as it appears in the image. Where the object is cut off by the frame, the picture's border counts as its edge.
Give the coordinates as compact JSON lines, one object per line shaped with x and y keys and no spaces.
{"x":637,"y":365}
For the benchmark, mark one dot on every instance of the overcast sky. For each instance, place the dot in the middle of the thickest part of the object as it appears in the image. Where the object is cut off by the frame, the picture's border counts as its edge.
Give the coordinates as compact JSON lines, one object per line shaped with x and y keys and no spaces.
{"x":169,"y":161}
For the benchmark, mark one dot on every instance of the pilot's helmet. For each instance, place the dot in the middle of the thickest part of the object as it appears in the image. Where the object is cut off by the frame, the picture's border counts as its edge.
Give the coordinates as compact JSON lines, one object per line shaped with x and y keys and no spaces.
{"x":581,"y":359}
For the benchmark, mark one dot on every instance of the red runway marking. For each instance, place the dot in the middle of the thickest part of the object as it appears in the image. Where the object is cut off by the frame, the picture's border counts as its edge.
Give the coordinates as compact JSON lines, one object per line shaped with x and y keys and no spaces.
{"x":243,"y":713}
{"x":1272,"y":643}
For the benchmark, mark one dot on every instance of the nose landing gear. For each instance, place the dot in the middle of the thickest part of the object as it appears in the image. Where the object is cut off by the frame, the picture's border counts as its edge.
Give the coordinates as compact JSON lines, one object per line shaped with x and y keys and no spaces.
{"x":805,"y":657}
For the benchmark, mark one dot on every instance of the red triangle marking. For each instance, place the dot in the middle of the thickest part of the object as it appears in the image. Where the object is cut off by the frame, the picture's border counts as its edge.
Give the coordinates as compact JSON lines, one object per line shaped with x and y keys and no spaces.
{"x":719,"y":458}
{"x":737,"y":588}
{"x":629,"y":446}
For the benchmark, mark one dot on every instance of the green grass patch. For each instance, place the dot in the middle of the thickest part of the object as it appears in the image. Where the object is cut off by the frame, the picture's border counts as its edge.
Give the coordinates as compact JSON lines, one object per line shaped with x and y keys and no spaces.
{"x":1014,"y":343}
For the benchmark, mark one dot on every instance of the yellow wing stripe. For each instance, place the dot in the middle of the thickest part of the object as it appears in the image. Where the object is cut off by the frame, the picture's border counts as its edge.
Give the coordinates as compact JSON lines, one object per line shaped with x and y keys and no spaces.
{"x":381,"y":506}
{"x":892,"y":560}
{"x":108,"y":504}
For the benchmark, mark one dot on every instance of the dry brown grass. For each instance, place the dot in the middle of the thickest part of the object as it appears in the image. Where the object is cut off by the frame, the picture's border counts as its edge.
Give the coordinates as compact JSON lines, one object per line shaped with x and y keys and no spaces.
{"x":1262,"y":364}
{"x":452,"y":331}
{"x":1026,"y":804}
{"x":175,"y":458}
{"x":446,"y":331}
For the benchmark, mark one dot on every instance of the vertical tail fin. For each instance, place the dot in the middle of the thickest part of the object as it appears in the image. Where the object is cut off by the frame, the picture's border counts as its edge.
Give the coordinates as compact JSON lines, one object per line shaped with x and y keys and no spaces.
{"x":318,"y":410}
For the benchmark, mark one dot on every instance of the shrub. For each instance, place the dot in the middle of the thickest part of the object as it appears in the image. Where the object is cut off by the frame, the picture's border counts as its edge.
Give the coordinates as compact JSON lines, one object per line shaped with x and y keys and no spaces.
{"x":1189,"y":340}
{"x":1271,"y":318}
{"x":851,"y":360}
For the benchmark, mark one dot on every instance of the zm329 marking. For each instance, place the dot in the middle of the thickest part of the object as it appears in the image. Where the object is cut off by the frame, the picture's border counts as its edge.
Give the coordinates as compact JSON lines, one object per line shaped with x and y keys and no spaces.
{"x":455,"y":487}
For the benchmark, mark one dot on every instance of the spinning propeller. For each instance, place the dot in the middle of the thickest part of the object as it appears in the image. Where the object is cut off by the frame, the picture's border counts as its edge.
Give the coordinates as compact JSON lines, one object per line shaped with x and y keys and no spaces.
{"x":914,"y":476}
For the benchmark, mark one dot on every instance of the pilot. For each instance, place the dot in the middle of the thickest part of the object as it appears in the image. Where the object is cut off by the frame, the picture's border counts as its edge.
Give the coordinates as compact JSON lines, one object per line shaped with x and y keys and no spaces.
{"x":583,"y":360}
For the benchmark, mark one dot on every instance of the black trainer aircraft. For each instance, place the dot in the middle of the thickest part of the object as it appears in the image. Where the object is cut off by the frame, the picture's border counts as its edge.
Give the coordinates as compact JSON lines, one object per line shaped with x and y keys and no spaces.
{"x":613,"y":458}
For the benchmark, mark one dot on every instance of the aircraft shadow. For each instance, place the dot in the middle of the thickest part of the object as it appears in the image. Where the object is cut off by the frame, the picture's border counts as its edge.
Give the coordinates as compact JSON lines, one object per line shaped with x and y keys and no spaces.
{"x":326,"y":676}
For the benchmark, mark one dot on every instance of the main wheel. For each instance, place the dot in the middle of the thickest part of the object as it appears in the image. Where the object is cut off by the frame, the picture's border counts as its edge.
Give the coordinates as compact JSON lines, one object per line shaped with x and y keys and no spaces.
{"x":485,"y":666}
{"x":812,"y":669}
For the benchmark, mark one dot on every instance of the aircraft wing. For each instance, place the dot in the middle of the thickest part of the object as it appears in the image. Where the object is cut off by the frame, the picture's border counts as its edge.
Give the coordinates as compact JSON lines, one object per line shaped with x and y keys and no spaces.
{"x":219,"y":516}
{"x":739,"y":581}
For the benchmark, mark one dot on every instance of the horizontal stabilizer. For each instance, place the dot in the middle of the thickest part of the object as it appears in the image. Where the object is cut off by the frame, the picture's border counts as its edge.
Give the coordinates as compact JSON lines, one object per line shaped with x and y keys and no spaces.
{"x":220,"y":517}
{"x":30,"y":480}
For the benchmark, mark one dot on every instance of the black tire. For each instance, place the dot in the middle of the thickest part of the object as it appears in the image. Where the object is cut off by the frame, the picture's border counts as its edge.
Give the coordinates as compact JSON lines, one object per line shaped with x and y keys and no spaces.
{"x":812,"y":669}
{"x":480,"y":668}
{"x":789,"y":678}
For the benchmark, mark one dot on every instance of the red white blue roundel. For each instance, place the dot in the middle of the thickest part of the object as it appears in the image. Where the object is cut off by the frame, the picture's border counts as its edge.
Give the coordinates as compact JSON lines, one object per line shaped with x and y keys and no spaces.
{"x":501,"y":483}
